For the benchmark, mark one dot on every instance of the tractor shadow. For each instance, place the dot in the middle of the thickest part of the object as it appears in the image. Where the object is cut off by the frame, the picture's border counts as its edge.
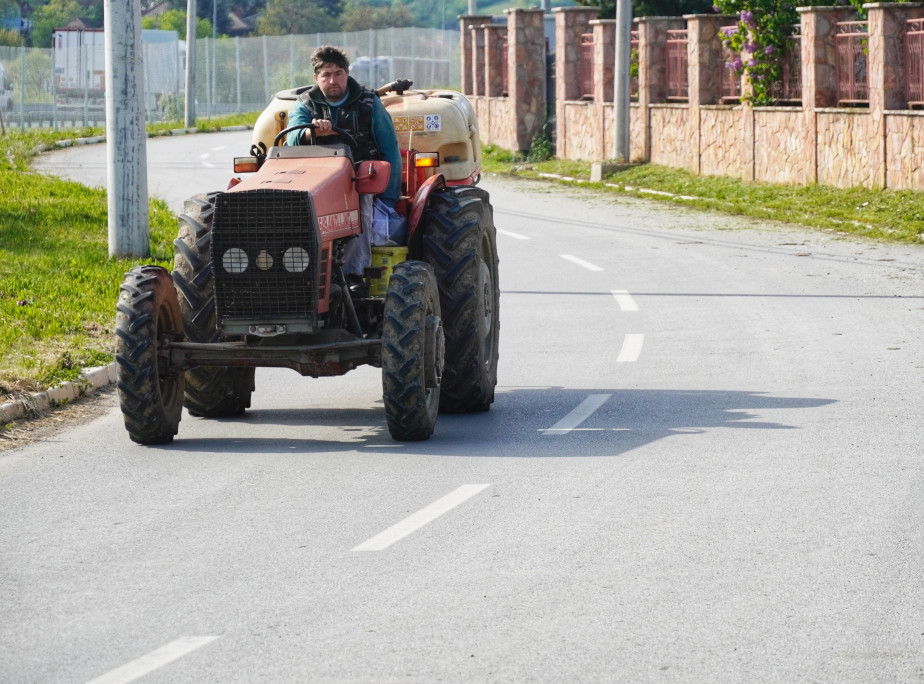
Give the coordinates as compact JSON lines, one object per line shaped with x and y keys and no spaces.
{"x":517,"y":426}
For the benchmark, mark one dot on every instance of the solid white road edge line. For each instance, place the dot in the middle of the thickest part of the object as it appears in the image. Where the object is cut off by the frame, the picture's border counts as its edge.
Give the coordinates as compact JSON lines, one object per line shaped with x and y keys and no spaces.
{"x":631,"y":348}
{"x":625,"y":301}
{"x":580,"y":262}
{"x":422,"y":517}
{"x":515,"y":236}
{"x":153,"y":660}
{"x":586,"y":409}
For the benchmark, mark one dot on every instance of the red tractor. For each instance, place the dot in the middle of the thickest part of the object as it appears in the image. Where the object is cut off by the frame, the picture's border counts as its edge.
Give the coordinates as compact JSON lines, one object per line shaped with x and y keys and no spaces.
{"x":258,"y":279}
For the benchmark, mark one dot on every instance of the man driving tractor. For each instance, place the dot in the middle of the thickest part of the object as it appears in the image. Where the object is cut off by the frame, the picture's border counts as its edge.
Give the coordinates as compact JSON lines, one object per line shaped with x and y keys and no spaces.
{"x":339,"y":100}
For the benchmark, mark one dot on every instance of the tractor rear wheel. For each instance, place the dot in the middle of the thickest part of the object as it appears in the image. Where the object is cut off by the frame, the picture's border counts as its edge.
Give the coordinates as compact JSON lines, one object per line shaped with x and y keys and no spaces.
{"x":150,"y":389}
{"x":211,"y":391}
{"x":459,"y":241}
{"x":412,"y":352}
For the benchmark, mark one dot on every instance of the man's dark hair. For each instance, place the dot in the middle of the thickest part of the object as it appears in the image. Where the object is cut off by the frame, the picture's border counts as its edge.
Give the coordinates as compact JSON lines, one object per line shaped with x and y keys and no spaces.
{"x":329,"y":55}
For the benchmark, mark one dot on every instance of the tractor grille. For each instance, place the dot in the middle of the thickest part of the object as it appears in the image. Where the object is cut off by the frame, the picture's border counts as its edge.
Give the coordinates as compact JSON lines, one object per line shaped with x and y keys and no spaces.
{"x":265,"y":256}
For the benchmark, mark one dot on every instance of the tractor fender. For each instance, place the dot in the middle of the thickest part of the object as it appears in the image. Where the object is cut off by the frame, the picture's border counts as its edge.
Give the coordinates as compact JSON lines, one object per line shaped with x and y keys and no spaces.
{"x":437,"y":182}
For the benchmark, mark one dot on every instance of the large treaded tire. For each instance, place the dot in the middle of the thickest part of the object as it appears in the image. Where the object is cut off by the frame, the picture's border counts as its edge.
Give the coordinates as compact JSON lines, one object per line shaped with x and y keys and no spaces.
{"x":150,"y":391}
{"x":459,"y":241}
{"x":211,"y":391}
{"x":412,"y":352}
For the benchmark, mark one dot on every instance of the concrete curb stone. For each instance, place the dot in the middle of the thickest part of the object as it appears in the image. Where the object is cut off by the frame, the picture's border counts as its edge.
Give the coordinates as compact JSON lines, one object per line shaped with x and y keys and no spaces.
{"x":91,"y":379}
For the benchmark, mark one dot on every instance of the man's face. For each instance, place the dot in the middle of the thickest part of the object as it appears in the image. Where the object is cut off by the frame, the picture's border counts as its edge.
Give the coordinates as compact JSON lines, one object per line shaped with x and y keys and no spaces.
{"x":333,"y":81}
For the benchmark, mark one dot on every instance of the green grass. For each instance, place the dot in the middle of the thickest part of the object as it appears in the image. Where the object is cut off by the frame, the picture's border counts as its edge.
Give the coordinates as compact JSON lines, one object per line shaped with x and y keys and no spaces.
{"x":58,"y":285}
{"x":893,"y":215}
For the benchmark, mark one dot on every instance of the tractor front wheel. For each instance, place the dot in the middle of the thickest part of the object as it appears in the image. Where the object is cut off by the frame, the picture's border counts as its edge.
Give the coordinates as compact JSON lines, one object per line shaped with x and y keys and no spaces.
{"x":412,"y":352}
{"x":150,"y":389}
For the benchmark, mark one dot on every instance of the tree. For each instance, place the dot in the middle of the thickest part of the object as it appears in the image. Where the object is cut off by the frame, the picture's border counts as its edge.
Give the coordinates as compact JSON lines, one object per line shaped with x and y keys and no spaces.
{"x":47,"y":18}
{"x":651,"y":8}
{"x":175,"y":20}
{"x":11,"y":38}
{"x":361,"y":15}
{"x":283,"y":17}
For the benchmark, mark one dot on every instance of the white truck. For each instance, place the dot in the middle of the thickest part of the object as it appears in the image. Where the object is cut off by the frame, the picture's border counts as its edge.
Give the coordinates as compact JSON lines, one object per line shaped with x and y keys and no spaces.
{"x":79,"y":57}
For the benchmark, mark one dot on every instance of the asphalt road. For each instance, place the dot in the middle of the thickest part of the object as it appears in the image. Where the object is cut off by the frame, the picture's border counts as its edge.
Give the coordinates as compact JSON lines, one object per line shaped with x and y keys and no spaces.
{"x":703,"y":465}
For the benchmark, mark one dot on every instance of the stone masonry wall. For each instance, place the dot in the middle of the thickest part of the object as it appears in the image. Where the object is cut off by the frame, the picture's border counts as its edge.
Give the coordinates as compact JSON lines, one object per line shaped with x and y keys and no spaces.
{"x":878,"y":145}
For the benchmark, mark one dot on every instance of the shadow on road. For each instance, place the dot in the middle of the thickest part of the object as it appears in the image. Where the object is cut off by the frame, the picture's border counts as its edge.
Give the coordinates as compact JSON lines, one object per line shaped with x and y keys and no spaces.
{"x":518,"y":425}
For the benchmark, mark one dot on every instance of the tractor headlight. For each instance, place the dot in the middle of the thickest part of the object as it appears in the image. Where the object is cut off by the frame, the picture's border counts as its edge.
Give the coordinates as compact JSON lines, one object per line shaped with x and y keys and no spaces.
{"x":235,"y":260}
{"x":295,"y":260}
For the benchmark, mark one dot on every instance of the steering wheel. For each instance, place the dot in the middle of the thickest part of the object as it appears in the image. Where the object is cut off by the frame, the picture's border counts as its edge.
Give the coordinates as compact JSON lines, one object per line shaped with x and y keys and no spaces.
{"x":345,"y":135}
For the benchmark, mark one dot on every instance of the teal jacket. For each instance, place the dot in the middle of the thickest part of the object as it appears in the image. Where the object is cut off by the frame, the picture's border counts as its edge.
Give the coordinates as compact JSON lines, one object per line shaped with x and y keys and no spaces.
{"x":362,"y":114}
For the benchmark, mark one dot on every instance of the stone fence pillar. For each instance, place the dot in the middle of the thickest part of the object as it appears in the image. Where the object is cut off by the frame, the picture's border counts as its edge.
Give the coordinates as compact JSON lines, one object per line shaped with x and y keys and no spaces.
{"x":466,"y":23}
{"x":604,"y":58}
{"x":526,"y":71}
{"x":819,"y":74}
{"x":495,"y":59}
{"x":652,"y":41}
{"x":570,"y":24}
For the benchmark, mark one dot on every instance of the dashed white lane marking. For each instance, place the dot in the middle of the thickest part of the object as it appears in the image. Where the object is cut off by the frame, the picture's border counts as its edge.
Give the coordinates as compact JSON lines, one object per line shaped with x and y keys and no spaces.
{"x":422,"y":517}
{"x":625,"y":301}
{"x":208,"y":165}
{"x":580,"y":262}
{"x":631,"y":348}
{"x":584,"y":411}
{"x":153,"y":660}
{"x":515,"y":236}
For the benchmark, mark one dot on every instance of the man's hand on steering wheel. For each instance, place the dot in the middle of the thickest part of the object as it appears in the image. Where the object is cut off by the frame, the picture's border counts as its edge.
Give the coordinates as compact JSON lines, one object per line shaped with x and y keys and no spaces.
{"x":322,"y":127}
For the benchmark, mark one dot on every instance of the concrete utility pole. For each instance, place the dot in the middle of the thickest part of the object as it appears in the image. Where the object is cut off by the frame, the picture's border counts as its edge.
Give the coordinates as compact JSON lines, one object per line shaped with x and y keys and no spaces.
{"x":472,"y":7}
{"x":126,"y":157}
{"x":189,"y":110}
{"x":621,"y":80}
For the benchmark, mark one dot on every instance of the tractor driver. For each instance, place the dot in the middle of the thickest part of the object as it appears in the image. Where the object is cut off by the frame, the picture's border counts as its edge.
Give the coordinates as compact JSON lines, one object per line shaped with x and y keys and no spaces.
{"x":339,"y":100}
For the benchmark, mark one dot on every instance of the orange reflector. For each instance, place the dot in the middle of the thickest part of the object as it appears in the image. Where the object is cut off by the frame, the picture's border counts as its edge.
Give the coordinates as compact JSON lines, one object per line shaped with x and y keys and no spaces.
{"x":427,"y":159}
{"x":246,"y":165}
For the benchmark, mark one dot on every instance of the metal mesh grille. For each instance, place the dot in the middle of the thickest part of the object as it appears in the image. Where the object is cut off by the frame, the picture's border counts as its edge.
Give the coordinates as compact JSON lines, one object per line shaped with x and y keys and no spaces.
{"x":265,"y":254}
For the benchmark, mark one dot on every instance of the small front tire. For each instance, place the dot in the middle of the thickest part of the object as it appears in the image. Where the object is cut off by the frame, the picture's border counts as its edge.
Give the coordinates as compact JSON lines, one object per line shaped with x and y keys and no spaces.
{"x":412,"y":352}
{"x":150,"y":389}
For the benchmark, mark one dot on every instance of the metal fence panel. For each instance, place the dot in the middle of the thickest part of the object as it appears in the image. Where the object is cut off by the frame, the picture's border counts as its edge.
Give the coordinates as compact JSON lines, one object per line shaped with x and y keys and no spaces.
{"x":233,"y":75}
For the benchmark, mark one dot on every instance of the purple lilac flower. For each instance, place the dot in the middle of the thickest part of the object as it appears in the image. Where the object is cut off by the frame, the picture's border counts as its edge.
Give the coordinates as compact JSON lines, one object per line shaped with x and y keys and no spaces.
{"x":737,"y":64}
{"x":748,"y":18}
{"x":769,"y":50}
{"x":715,"y":8}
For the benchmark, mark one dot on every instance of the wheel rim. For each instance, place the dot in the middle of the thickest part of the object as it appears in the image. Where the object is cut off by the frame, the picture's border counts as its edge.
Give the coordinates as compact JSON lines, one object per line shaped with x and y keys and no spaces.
{"x":486,"y":285}
{"x":166,"y":378}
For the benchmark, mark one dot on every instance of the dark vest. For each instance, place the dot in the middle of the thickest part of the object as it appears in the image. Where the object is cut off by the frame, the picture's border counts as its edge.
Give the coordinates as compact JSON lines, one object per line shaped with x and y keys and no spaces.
{"x":354,"y":115}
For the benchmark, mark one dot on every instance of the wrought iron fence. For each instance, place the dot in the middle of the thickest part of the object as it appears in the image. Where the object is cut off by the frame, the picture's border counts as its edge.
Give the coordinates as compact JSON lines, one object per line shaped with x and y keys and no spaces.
{"x":851,"y":43}
{"x":233,"y":75}
{"x":914,"y":63}
{"x":587,"y":66}
{"x":675,"y":65}
{"x":633,"y":65}
{"x":731,"y":74}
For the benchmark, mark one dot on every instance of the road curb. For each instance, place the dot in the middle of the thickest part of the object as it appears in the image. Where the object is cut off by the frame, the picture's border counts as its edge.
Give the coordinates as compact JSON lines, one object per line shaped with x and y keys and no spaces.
{"x":37,"y":403}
